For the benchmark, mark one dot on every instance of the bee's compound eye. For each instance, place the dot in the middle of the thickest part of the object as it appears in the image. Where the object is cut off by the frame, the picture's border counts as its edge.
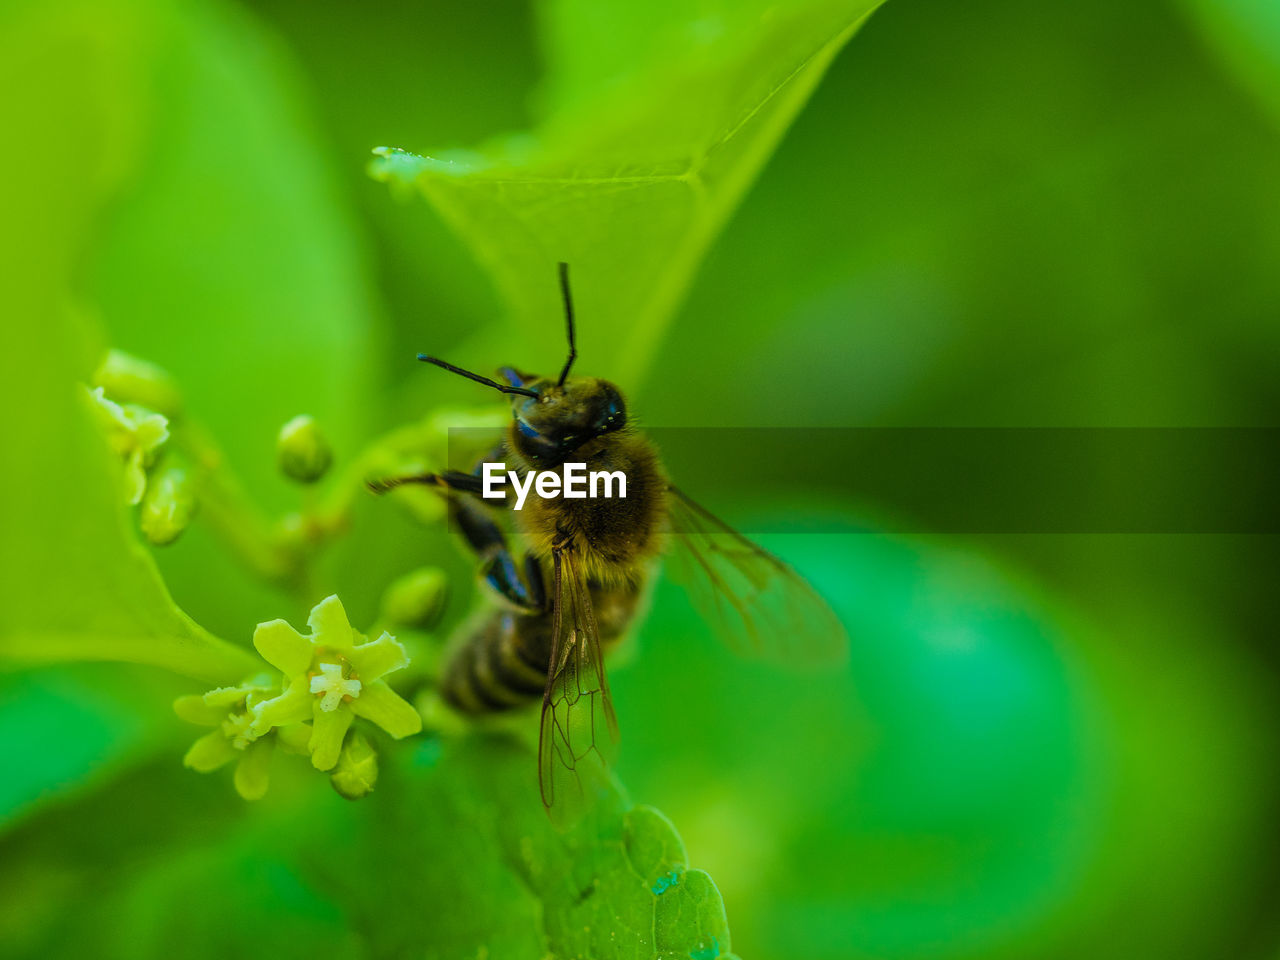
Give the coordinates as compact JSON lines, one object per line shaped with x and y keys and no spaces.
{"x":527,"y":430}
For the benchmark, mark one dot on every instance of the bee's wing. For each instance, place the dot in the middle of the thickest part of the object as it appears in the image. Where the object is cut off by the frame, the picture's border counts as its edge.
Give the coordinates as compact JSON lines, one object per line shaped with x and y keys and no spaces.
{"x":756,"y":603}
{"x":579,"y":730}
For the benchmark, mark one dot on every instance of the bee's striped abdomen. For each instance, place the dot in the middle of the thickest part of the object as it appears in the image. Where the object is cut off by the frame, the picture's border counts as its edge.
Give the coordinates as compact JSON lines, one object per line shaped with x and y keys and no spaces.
{"x":502,"y":665}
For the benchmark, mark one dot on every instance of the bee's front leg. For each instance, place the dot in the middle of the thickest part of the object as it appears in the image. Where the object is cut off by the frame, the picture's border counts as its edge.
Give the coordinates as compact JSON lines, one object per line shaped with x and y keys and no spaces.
{"x":529,"y":593}
{"x":497,"y":564}
{"x":451,"y":481}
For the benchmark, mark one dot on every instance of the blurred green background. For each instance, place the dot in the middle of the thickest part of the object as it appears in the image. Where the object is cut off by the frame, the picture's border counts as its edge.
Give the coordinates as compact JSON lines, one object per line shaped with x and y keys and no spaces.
{"x":995,"y":213}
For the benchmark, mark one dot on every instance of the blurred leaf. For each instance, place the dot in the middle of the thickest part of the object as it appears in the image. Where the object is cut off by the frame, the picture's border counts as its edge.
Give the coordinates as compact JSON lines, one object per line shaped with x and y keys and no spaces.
{"x":260,"y":305}
{"x":906,"y":806}
{"x":658,"y":120}
{"x":1247,"y":34}
{"x":71,"y":869}
{"x":232,"y":260}
{"x":72,"y":726}
{"x":466,"y":831}
{"x":75,"y":582}
{"x":453,"y":856}
{"x":182,"y":909}
{"x":374,"y":70}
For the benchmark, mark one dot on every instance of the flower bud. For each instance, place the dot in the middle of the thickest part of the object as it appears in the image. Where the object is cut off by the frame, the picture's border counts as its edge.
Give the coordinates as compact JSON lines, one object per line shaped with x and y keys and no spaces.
{"x":169,"y":502}
{"x":304,"y":453}
{"x":357,"y":770}
{"x":416,"y":599}
{"x":127,"y":379}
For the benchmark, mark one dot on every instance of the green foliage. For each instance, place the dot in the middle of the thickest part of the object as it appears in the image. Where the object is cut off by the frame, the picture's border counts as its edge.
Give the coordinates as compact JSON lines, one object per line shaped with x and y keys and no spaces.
{"x":452,"y":855}
{"x":628,"y":168}
{"x":656,"y":120}
{"x":991,"y":212}
{"x":77,"y":584}
{"x":1248,"y":34}
{"x":587,"y":892}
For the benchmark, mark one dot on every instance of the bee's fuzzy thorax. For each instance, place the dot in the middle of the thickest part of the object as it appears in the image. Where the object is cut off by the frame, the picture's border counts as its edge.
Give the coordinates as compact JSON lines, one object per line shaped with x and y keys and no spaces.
{"x":615,"y":538}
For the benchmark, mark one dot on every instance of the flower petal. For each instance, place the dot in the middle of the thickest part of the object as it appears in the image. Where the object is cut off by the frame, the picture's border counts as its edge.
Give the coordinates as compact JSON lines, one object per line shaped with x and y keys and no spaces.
{"x":226,"y":697}
{"x":326,"y":736}
{"x":292,"y":706}
{"x":151,"y":429}
{"x":295,"y":738}
{"x":111,"y":412}
{"x":135,"y":478}
{"x":210,"y":752}
{"x":283,"y":647}
{"x":329,"y":624}
{"x":193,"y":709}
{"x":373,"y":660}
{"x":382,"y":705}
{"x":253,"y":769}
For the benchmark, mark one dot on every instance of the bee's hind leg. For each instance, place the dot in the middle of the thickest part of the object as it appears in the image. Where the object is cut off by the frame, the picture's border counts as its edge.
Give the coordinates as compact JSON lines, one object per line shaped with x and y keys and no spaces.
{"x":533,"y":577}
{"x":498,"y":566}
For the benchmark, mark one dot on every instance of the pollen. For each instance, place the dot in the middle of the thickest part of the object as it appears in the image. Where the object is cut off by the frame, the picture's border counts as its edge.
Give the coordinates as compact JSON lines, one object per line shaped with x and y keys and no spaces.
{"x":236,"y":729}
{"x":332,"y":687}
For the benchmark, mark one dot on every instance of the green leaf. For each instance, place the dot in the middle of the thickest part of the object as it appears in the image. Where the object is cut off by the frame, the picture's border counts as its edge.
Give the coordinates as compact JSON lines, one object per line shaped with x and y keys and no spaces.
{"x":70,"y":727}
{"x":1247,"y":34}
{"x":232,"y":260}
{"x":465,"y":831}
{"x":452,"y":856}
{"x":77,"y":585}
{"x":657,"y":121}
{"x":74,"y":581}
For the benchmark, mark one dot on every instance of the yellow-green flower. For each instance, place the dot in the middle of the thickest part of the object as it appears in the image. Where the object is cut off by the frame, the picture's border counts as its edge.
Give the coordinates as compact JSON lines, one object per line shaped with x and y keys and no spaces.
{"x":135,"y":433}
{"x":331,"y":677}
{"x":229,"y":711}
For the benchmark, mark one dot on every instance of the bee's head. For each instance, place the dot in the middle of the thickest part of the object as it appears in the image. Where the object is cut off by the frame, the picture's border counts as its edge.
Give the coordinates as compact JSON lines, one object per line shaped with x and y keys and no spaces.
{"x":554,"y":417}
{"x":561,"y":416}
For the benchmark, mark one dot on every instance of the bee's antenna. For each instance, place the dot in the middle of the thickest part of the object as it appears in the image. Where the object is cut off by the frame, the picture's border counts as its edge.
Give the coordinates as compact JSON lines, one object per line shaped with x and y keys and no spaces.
{"x":476,"y":377}
{"x":568,"y":317}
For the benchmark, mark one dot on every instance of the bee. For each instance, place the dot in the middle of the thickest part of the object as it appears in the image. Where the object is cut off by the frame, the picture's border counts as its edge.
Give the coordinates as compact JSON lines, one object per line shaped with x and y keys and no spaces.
{"x":580,"y":580}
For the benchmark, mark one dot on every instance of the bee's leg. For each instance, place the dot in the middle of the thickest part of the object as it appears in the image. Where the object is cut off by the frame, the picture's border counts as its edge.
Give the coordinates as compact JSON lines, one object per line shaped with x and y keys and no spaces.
{"x":533,"y":577}
{"x":497,"y":455}
{"x":449,"y":481}
{"x":500,"y":572}
{"x":497,"y":564}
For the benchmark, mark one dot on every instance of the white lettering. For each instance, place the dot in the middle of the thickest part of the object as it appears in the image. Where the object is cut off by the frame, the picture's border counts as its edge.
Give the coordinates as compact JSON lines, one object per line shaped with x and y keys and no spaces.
{"x":608,"y":479}
{"x":575,"y":473}
{"x":548,"y":484}
{"x":494,"y":474}
{"x":521,"y":492}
